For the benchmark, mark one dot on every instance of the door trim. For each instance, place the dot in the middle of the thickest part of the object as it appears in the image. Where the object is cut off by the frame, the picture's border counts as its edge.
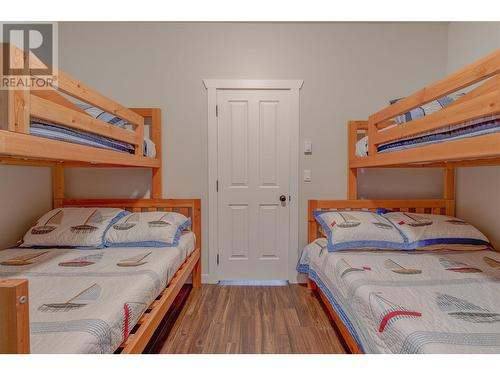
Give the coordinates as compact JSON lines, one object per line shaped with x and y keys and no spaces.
{"x":210,"y":275}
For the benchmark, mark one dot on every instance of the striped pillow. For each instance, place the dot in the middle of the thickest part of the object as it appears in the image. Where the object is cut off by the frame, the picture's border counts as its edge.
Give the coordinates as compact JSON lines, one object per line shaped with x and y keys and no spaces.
{"x":425,"y":109}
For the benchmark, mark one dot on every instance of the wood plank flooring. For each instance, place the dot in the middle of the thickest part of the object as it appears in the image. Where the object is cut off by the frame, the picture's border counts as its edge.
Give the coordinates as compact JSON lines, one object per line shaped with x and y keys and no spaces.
{"x":253,"y":319}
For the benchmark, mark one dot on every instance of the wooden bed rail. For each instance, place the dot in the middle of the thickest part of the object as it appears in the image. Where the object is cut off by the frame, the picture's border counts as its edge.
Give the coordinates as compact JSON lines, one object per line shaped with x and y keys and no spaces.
{"x":482,"y":69}
{"x":14,"y":311}
{"x":433,"y":206}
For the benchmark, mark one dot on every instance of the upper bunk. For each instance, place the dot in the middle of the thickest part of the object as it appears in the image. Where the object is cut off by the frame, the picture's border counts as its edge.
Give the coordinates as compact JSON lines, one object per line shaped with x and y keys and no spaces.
{"x":71,"y":124}
{"x":461,"y":128}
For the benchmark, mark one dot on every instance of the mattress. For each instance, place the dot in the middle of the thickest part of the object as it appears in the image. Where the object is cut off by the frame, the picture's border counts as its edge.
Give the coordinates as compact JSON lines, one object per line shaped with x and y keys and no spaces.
{"x":474,"y":128}
{"x":441,"y":301}
{"x":87,"y":301}
{"x":60,"y":133}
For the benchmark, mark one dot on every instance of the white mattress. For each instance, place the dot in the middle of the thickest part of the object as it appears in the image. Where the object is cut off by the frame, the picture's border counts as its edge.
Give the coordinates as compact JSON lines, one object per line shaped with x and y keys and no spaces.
{"x":91,"y":305}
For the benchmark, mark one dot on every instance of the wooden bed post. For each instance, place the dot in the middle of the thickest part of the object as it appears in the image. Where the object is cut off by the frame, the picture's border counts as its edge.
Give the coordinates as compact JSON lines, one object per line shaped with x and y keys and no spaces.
{"x":352,"y":173}
{"x":14,"y":324}
{"x":449,"y":189}
{"x":352,"y":183}
{"x":18,"y":112}
{"x":58,"y":185}
{"x":312,"y":229}
{"x":156,"y":184}
{"x":197,"y":232}
{"x":353,"y":128}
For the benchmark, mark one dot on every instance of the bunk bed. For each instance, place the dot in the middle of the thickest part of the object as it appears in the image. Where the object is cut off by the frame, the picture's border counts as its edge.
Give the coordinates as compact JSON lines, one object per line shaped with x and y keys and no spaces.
{"x":21,"y":111}
{"x":424,"y":142}
{"x":72,"y":124}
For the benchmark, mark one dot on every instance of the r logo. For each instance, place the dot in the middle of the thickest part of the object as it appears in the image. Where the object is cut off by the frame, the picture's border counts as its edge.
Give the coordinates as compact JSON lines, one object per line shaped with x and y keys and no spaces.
{"x":36,"y":39}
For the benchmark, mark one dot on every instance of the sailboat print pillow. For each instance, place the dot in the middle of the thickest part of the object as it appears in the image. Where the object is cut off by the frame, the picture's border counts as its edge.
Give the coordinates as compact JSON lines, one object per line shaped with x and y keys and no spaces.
{"x":152,"y":229}
{"x":72,"y":227}
{"x":358,"y":229}
{"x":428,"y":231}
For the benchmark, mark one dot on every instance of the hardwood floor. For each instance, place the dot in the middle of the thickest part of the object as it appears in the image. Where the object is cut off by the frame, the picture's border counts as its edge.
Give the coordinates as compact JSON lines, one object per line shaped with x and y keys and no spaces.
{"x":253,"y":319}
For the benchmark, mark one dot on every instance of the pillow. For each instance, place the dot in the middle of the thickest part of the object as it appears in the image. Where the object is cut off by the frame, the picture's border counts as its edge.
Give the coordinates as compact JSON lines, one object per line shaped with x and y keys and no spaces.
{"x":423,"y":110}
{"x":151,"y":229}
{"x":99,"y":114}
{"x":426,"y":230}
{"x":71,"y":227}
{"x":358,"y":229}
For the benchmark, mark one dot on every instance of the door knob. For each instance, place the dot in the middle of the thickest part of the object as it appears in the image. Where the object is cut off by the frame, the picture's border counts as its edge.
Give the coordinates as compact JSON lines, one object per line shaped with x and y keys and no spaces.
{"x":282,"y":198}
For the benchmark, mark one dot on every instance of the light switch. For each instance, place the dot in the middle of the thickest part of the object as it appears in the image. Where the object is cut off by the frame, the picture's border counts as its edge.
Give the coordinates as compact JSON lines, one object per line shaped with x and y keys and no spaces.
{"x":308,"y":147}
{"x":307,"y":175}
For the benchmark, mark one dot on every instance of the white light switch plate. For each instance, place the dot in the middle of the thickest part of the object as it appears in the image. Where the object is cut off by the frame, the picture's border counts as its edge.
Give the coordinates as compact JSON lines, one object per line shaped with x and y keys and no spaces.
{"x":307,"y":175}
{"x":308,"y":148}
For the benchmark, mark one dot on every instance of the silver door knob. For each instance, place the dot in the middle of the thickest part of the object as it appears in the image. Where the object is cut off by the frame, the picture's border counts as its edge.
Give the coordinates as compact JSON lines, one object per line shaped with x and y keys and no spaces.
{"x":282,"y":198}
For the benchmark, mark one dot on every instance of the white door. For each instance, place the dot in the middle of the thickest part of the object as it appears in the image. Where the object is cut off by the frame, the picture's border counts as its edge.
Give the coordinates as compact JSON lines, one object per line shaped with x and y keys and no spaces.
{"x":253,"y":173}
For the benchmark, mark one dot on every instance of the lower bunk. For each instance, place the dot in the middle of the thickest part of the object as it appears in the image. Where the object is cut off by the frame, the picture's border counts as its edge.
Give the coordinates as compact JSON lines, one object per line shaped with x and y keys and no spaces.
{"x":440,"y":300}
{"x":109,"y":300}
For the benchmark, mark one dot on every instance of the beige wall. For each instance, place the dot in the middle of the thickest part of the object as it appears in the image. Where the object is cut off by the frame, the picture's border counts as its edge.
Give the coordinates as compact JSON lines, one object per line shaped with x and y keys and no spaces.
{"x":349,"y":71}
{"x":26,"y":194}
{"x":478,"y":189}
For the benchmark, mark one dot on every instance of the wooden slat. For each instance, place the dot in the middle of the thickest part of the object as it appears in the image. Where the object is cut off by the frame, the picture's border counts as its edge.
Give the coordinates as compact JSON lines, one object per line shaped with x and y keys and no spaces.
{"x":77,"y":89}
{"x":23,"y":145}
{"x":378,"y":203}
{"x":478,"y":107}
{"x":14,"y":321}
{"x":46,"y":110}
{"x":26,"y":162}
{"x":492,"y":84}
{"x":475,"y":72}
{"x":53,"y":96}
{"x":143,"y":203}
{"x":476,"y":162}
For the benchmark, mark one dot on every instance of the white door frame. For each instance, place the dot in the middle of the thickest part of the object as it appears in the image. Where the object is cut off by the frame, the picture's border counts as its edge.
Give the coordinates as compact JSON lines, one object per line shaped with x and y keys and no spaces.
{"x":212,"y":85}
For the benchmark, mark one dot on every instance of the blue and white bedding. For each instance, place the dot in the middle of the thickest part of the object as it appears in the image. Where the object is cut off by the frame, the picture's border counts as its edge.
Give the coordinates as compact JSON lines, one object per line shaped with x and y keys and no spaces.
{"x":439,"y":301}
{"x":60,"y":133}
{"x":474,"y":128}
{"x":88,"y":301}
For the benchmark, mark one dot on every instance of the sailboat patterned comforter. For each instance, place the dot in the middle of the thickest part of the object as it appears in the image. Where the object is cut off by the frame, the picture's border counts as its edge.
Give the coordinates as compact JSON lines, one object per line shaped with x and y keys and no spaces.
{"x":88,"y":301}
{"x":439,"y":301}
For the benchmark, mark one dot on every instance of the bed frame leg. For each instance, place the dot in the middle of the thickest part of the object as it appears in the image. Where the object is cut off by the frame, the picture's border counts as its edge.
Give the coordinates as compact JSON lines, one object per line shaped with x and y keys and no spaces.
{"x":197,"y":274}
{"x":311,"y":285}
{"x":14,"y":313}
{"x":57,"y":185}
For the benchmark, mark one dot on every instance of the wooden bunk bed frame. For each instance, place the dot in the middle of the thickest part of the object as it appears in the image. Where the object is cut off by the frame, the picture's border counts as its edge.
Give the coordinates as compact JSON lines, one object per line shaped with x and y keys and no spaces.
{"x":433,"y":206}
{"x":18,"y":147}
{"x":482,"y":101}
{"x":17,"y":107}
{"x":483,"y":150}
